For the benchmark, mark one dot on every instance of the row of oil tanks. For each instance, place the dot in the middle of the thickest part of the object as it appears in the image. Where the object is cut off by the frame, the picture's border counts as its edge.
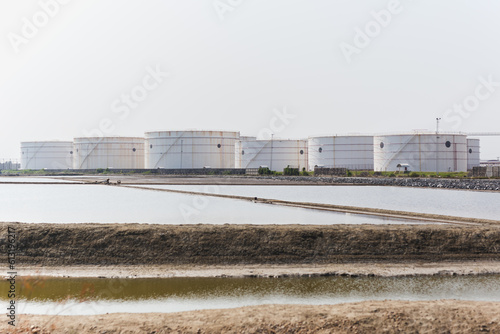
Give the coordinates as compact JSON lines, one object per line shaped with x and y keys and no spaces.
{"x":224,"y":149}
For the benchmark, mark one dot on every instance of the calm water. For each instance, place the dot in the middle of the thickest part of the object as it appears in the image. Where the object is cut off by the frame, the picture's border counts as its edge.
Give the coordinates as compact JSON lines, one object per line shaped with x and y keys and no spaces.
{"x":437,"y":201}
{"x":10,"y":179}
{"x":94,"y":296}
{"x":68,"y":203}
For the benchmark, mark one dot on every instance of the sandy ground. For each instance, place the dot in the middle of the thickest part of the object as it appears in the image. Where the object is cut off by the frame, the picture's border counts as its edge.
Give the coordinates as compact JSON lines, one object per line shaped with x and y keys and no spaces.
{"x":442,"y":316}
{"x":372,"y":269}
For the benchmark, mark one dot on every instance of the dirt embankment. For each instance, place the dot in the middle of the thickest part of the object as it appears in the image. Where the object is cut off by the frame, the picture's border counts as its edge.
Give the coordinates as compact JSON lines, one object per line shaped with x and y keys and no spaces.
{"x":444,"y":316}
{"x":142,"y":244}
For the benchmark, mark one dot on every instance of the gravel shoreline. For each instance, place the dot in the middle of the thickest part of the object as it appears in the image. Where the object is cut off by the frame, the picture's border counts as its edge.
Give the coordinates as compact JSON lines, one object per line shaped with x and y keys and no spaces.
{"x":464,"y":184}
{"x":444,"y":183}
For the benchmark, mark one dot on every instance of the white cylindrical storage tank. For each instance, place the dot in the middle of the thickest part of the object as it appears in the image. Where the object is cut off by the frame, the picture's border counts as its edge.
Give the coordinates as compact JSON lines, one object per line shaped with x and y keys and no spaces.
{"x":47,"y":155}
{"x":421,"y":152}
{"x":352,"y":152}
{"x":108,"y":152}
{"x":473,"y":156}
{"x":190,"y":149}
{"x":241,"y":151}
{"x":276,"y":154}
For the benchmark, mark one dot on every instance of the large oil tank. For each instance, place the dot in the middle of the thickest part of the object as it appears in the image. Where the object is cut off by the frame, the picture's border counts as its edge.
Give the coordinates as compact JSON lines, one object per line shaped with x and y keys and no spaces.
{"x":190,"y":149}
{"x":108,"y":152}
{"x":47,"y":155}
{"x":276,"y":154}
{"x":473,"y":154}
{"x":353,"y":152}
{"x":423,"y":152}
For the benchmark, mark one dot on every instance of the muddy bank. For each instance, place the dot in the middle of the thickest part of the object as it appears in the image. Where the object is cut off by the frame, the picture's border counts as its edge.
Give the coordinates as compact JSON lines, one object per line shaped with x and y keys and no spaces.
{"x":443,"y":316}
{"x":357,"y":269}
{"x":143,"y":244}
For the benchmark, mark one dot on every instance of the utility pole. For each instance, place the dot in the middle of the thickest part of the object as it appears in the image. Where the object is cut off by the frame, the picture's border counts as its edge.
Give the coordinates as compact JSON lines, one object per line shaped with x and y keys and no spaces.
{"x":437,"y":142}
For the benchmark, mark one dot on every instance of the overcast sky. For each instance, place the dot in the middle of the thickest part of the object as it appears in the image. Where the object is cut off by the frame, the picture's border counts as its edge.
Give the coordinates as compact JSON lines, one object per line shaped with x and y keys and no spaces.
{"x":296,"y":67}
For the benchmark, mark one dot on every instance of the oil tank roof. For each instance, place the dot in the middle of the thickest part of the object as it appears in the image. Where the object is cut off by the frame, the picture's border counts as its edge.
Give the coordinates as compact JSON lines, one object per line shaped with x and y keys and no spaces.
{"x":191,"y":131}
{"x":279,"y":139}
{"x":47,"y":141}
{"x":107,"y":138}
{"x":420,"y":132}
{"x":341,"y":135}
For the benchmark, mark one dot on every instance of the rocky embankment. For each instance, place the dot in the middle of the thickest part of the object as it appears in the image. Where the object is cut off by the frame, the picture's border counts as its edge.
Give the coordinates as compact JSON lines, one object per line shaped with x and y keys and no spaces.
{"x":472,"y":184}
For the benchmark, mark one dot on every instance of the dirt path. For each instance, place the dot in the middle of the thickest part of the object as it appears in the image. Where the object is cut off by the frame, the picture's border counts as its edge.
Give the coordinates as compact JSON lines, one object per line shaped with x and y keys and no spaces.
{"x":442,"y":316}
{"x":346,"y":269}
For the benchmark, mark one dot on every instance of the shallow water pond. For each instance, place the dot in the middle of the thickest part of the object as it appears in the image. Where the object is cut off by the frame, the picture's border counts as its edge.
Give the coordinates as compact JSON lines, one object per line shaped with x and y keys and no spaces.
{"x":69,"y":203}
{"x":462,"y":203}
{"x":95,"y":295}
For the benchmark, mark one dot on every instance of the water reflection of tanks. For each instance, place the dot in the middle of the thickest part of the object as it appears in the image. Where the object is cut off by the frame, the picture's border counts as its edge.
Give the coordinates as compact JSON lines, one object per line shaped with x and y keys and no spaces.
{"x":353,"y":152}
{"x":47,"y":155}
{"x":424,"y":152}
{"x":108,"y":152}
{"x":274,"y":153}
{"x":190,"y":149}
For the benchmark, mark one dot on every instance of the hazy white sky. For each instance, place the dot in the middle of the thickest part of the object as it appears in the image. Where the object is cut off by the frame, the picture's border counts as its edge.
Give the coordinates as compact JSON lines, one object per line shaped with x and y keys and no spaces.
{"x":81,"y":68}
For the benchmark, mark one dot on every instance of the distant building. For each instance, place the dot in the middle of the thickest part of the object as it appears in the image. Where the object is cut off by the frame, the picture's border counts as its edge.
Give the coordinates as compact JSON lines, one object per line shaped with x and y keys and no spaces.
{"x":490,"y":163}
{"x":9,"y":165}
